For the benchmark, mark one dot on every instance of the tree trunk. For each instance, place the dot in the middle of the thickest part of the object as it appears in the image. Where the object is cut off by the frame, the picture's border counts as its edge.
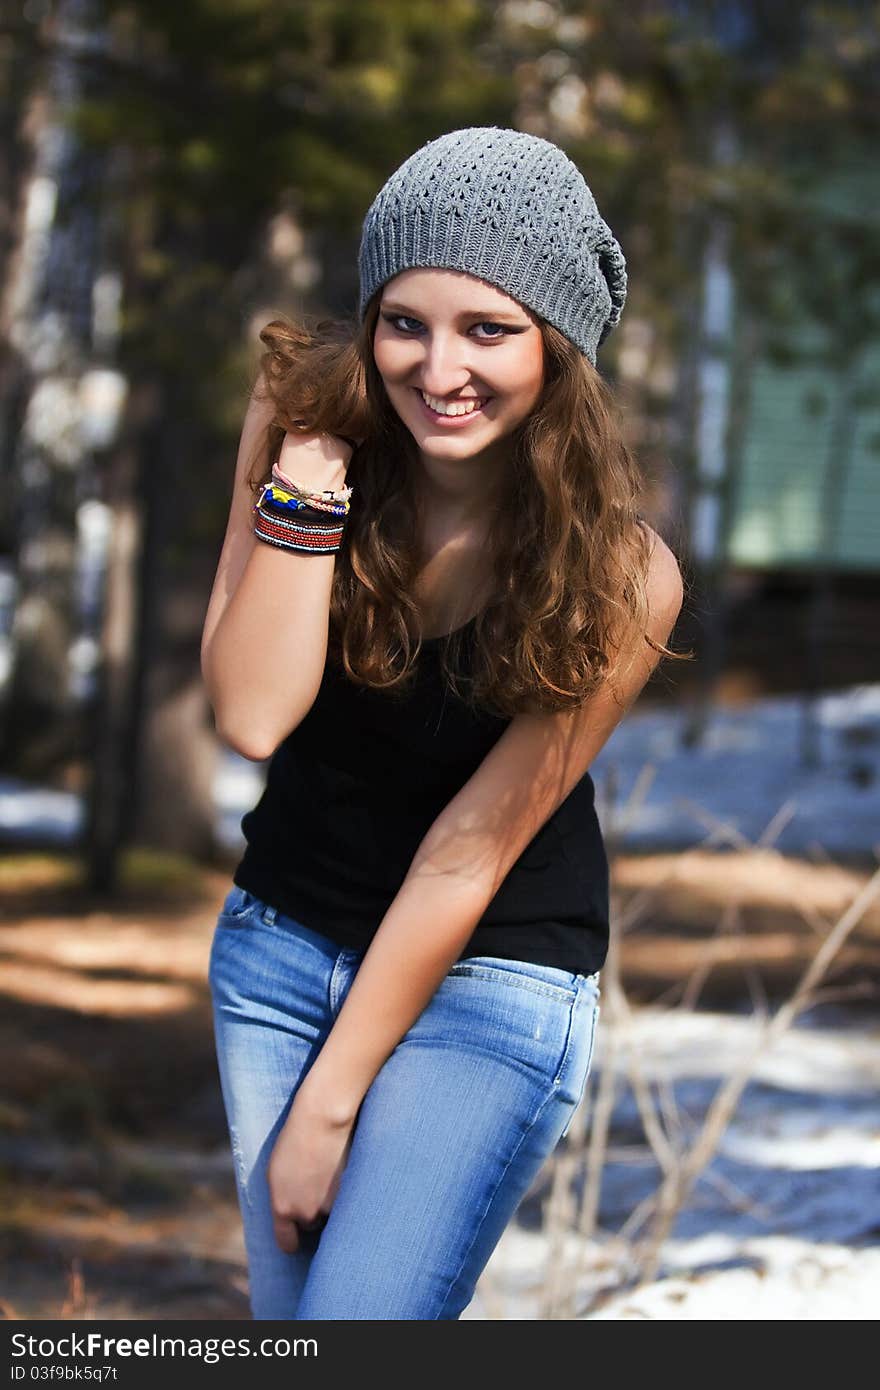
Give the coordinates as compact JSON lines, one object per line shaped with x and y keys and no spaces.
{"x":173,"y":744}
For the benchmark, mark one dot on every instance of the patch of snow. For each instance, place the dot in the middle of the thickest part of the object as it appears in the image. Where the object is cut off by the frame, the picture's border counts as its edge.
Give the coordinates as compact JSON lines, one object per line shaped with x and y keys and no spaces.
{"x":775,"y":1279}
{"x":748,"y":763}
{"x":30,"y":812}
{"x":675,"y":1044}
{"x":784,"y":1220}
{"x":710,"y":1277}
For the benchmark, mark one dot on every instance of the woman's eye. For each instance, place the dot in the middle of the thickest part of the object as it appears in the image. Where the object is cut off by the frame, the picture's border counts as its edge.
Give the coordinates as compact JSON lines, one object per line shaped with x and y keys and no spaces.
{"x":399,"y":321}
{"x":396,"y":319}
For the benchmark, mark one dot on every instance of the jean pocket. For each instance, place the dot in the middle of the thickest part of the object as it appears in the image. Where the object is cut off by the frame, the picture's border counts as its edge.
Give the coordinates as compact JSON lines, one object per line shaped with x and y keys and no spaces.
{"x":238,"y":904}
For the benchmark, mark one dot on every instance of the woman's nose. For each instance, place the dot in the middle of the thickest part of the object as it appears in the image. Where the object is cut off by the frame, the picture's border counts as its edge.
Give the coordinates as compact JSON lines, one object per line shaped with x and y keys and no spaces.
{"x":444,"y":368}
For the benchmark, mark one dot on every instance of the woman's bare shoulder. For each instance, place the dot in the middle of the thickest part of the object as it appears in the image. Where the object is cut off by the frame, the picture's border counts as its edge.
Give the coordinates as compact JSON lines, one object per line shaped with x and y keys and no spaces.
{"x":664,"y":585}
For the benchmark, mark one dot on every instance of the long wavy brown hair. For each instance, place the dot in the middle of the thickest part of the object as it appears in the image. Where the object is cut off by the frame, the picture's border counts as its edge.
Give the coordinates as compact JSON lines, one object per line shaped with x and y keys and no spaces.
{"x":567,"y":548}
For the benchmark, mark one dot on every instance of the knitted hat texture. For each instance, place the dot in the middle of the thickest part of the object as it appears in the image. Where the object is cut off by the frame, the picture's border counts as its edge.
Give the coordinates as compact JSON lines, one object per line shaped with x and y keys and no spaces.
{"x":510,"y":208}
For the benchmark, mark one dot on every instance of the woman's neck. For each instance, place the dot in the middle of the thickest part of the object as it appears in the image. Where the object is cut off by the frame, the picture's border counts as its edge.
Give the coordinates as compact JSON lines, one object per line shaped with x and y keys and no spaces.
{"x":447,"y":498}
{"x":454,"y":577}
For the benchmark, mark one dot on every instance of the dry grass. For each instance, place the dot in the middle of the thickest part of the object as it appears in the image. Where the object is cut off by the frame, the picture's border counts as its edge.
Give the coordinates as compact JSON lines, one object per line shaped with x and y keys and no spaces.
{"x":812,"y":912}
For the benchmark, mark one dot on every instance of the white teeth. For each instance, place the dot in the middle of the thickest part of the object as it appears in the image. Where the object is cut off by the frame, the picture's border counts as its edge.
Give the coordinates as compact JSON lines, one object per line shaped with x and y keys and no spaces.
{"x":457,"y":408}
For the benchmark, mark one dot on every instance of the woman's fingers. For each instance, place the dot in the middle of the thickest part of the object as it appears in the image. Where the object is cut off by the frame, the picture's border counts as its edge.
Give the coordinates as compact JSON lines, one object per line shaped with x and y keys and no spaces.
{"x":288,"y":1229}
{"x":286,"y":1234}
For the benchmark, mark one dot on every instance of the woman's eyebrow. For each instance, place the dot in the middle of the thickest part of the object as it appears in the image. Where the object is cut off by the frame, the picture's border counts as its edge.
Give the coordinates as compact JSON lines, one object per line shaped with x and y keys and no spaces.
{"x":493,"y":316}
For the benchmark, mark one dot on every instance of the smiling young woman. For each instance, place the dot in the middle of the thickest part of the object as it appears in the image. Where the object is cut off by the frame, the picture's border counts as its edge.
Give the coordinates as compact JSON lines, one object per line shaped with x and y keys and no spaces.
{"x":455,"y":603}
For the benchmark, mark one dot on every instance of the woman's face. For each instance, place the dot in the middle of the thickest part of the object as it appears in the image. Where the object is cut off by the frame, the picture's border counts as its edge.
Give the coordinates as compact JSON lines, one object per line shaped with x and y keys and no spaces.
{"x":455,"y":339}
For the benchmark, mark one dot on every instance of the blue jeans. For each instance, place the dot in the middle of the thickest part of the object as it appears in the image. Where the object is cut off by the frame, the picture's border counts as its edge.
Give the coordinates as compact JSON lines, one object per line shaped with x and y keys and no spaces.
{"x":450,"y":1135}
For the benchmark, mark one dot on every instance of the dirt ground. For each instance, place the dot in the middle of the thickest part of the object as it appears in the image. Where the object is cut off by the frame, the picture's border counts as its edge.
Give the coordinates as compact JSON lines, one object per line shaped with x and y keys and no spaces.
{"x":117,"y":1185}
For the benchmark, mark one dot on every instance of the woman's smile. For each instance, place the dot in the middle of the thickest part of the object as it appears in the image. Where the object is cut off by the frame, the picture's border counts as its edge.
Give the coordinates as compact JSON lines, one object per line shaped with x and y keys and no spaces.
{"x":464,"y":409}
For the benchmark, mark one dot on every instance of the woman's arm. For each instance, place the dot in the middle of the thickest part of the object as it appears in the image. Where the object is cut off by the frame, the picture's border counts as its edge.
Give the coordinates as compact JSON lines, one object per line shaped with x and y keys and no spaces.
{"x":264,"y":642}
{"x":462,"y":861}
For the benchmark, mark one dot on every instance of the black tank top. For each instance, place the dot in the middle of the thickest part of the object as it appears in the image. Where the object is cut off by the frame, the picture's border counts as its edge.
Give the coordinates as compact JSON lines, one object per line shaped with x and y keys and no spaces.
{"x":351,"y":793}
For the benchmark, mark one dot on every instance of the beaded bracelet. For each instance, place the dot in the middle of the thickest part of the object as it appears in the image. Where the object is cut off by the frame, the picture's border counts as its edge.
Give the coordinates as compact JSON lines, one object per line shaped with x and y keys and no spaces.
{"x":292,"y":517}
{"x":311,"y":539}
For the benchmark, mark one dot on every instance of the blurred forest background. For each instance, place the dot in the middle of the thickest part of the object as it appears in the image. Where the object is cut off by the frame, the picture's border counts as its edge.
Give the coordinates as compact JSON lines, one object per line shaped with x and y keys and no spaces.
{"x":172,"y":177}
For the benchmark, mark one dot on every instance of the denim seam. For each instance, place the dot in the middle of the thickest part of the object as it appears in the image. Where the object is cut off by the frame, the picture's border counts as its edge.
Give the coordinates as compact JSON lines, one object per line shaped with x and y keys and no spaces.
{"x":336,"y":985}
{"x":545,"y":987}
{"x":569,"y":1042}
{"x":496,"y":1189}
{"x":595,"y":1010}
{"x":566,"y":1051}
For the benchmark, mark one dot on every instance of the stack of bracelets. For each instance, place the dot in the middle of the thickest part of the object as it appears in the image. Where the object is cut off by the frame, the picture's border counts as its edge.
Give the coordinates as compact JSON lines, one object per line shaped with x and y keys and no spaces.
{"x":294,"y":518}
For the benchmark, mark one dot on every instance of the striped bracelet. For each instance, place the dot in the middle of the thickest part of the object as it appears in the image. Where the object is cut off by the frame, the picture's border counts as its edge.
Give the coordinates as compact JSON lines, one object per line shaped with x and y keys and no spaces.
{"x":297,"y":535}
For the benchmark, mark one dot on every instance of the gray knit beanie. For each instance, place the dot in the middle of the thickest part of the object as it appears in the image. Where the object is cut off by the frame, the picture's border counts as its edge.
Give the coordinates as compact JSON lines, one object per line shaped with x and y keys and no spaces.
{"x":511,"y":209}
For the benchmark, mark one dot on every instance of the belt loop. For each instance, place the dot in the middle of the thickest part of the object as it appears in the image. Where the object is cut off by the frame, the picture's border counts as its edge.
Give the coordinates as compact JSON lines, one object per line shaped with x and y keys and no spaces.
{"x":270,"y":914}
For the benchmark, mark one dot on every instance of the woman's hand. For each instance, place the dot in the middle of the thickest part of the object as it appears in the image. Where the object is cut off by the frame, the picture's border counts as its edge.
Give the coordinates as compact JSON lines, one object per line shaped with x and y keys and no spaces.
{"x":305,"y":1169}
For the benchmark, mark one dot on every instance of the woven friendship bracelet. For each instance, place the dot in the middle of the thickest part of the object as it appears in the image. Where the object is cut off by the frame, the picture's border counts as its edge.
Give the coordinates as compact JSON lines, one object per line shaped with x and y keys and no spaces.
{"x":342,"y":494}
{"x":288,"y":501}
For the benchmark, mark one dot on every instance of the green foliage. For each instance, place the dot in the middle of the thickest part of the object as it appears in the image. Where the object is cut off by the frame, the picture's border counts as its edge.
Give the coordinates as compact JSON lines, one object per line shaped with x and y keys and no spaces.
{"x":230,"y":110}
